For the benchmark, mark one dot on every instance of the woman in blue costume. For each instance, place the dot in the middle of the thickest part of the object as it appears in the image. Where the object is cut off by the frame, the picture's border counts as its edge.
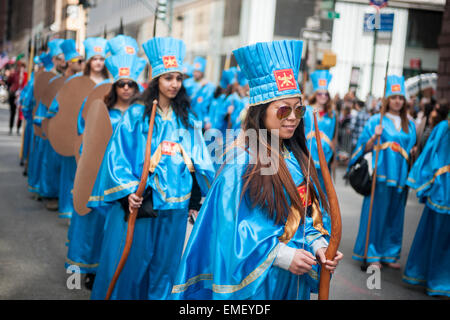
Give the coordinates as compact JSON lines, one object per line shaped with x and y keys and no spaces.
{"x":67,"y":164}
{"x":398,"y":136}
{"x":327,"y":119}
{"x":252,"y":238}
{"x":49,"y":161}
{"x":429,"y":256}
{"x":36,"y":142}
{"x":180,"y":173}
{"x":85,"y":233}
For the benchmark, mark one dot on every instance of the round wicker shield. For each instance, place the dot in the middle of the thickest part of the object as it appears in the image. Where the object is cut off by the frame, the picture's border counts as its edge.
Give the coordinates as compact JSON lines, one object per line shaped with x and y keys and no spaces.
{"x":62,"y":128}
{"x":98,"y":131}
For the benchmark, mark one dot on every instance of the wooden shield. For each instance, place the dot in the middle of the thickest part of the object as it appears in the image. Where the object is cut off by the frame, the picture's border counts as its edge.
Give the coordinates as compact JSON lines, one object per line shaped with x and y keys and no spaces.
{"x":62,"y":128}
{"x":98,"y":93}
{"x":96,"y":136}
{"x":48,"y":96}
{"x":41,"y":81}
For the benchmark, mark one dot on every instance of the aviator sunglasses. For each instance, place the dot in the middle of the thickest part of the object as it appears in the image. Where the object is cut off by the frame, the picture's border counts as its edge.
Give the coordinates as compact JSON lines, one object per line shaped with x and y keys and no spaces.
{"x":285,"y":111}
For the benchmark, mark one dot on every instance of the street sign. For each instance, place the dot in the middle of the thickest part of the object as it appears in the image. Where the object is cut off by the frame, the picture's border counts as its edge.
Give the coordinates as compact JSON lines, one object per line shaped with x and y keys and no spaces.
{"x":383,"y":22}
{"x":316,"y":35}
{"x":379,"y":3}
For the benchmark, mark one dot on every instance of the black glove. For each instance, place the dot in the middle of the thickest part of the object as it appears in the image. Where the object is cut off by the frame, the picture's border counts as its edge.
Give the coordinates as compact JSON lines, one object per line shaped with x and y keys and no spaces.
{"x":196,"y":195}
{"x":145,"y":211}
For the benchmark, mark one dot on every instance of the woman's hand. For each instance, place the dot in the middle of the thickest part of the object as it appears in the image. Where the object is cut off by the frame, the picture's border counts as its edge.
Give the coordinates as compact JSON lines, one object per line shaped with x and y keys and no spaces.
{"x":134,"y":202}
{"x":302,"y":262}
{"x":378,"y":130}
{"x":330,"y":265}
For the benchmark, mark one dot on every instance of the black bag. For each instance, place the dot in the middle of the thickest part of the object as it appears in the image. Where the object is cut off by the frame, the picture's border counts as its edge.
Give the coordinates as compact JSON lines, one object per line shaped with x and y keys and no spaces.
{"x":146,"y":210}
{"x":359,"y":177}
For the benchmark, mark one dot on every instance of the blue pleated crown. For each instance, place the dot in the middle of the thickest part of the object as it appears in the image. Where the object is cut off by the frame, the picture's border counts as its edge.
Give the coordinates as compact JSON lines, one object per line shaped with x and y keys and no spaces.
{"x":321,"y":79}
{"x":271,"y":69}
{"x":165,"y":55}
{"x":122,"y":45}
{"x":95,"y":47}
{"x":69,"y":49}
{"x":395,"y":85}
{"x":125,"y":66}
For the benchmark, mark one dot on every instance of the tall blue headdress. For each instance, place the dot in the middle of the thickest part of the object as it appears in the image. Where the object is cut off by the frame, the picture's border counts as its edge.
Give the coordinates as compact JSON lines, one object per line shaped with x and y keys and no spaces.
{"x":122,"y":45}
{"x":271,"y":69}
{"x":46,"y":59}
{"x":199,"y":64}
{"x":395,"y":85}
{"x":165,"y":55}
{"x":188,"y":69}
{"x":95,"y":47}
{"x":125,"y":66}
{"x":321,"y":79}
{"x":69,"y":49}
{"x":229,"y":77}
{"x":55,"y":47}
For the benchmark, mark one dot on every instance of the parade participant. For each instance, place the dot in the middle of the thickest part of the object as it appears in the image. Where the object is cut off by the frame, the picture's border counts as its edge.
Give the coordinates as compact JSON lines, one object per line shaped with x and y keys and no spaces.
{"x":201,"y":91}
{"x":320,"y":100}
{"x":28,"y":102}
{"x":95,"y":56}
{"x":34,"y":162}
{"x":429,"y":255}
{"x":180,"y":169}
{"x":66,"y":165}
{"x":86,"y":232}
{"x":397,"y":137}
{"x":16,"y":82}
{"x":49,"y":164}
{"x":250,"y":220}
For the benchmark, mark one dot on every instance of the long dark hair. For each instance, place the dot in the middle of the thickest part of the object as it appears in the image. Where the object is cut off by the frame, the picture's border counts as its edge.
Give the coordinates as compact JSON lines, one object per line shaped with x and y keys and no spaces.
{"x":180,"y":104}
{"x":87,"y":70}
{"x":403,"y":112}
{"x":269,"y":191}
{"x":111,"y":97}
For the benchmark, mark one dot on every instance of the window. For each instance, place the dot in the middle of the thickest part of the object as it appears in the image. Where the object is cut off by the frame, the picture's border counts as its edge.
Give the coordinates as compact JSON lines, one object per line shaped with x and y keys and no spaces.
{"x":420,"y":36}
{"x":232,"y":19}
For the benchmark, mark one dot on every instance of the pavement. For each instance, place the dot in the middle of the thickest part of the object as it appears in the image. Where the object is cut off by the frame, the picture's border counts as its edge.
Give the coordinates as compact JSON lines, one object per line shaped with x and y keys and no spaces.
{"x":33,"y":250}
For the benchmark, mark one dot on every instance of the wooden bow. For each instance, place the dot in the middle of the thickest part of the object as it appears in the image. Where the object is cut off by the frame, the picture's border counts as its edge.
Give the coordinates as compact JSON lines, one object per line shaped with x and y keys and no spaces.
{"x":134,"y":211}
{"x":335,"y":215}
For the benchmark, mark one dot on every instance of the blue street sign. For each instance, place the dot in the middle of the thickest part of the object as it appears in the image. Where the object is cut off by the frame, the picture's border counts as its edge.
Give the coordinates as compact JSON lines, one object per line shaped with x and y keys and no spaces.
{"x":383,"y":23}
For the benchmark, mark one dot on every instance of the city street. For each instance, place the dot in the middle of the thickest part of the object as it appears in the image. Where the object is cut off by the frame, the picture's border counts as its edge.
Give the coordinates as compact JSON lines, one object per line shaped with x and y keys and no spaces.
{"x":33,"y":250}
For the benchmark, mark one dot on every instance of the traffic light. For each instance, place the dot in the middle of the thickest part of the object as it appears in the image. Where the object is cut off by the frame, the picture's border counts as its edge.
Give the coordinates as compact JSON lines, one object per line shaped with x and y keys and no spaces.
{"x":161,"y":11}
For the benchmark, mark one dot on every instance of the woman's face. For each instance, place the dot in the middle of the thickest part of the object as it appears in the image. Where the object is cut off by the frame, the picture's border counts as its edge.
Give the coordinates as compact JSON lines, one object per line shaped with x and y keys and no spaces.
{"x":125,"y":89}
{"x":169,"y":84}
{"x":286,"y":125}
{"x":97,"y":63}
{"x":396,"y":103}
{"x":322,"y":97}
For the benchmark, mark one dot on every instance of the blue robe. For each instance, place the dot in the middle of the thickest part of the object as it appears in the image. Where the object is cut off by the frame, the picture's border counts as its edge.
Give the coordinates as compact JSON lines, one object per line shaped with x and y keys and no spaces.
{"x":429,"y":256}
{"x":28,"y":102}
{"x":232,"y":248}
{"x":201,"y":100}
{"x":158,"y":242}
{"x":86,"y":232}
{"x":388,"y":211}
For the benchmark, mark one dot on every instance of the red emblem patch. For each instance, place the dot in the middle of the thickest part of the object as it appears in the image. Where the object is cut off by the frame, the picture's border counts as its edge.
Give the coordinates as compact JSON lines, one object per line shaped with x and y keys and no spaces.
{"x":98,"y":49}
{"x":170,"y":62}
{"x":200,"y":99}
{"x":168,"y":148}
{"x":285,"y":79}
{"x":395,"y":88}
{"x":395,"y":147}
{"x":124,"y":72}
{"x":302,"y":192}
{"x":322,"y":82}
{"x":130,"y":50}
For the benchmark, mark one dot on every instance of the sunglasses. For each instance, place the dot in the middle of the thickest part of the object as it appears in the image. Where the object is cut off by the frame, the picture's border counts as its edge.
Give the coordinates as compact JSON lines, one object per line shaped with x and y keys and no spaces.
{"x":285,"y":111}
{"x":80,"y":61}
{"x":122,"y":84}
